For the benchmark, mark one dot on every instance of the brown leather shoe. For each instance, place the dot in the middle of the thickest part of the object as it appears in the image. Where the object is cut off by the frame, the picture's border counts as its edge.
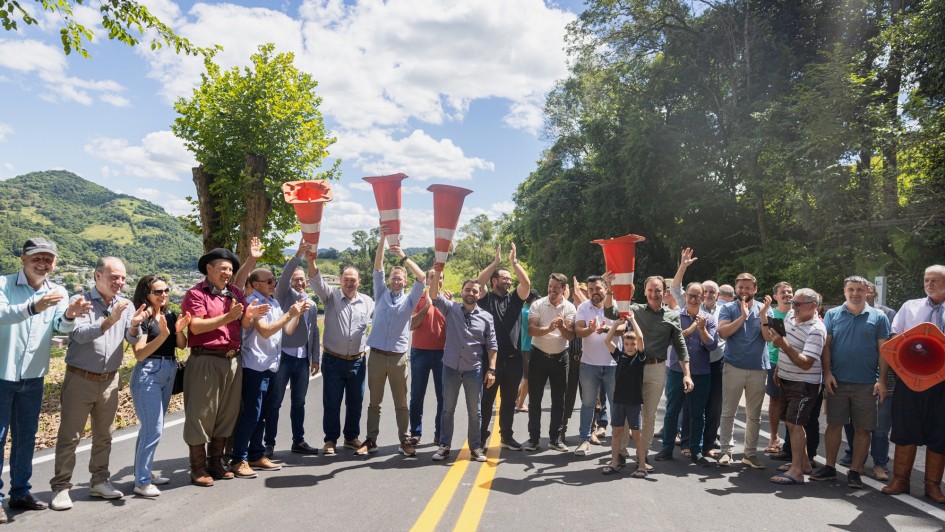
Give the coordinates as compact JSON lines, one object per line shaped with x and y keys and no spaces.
{"x":934,"y":468}
{"x":242,"y":470}
{"x":198,"y":466}
{"x":903,"y":460}
{"x":265,"y":464}
{"x":215,"y":465}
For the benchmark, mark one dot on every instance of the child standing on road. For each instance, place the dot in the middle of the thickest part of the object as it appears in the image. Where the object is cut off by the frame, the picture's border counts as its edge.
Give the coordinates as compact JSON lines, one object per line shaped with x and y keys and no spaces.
{"x":628,"y":393}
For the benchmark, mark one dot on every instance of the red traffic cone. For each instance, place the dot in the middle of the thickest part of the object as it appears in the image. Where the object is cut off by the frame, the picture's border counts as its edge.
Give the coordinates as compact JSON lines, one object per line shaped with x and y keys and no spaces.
{"x":308,"y":198}
{"x":917,"y":356}
{"x":447,"y":206}
{"x":620,"y":259}
{"x":388,"y":198}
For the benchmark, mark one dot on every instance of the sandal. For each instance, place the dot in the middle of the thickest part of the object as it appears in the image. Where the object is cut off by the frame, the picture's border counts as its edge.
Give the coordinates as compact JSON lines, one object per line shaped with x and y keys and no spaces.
{"x":773,"y":447}
{"x":639,"y":473}
{"x":784,"y":468}
{"x":610,"y":470}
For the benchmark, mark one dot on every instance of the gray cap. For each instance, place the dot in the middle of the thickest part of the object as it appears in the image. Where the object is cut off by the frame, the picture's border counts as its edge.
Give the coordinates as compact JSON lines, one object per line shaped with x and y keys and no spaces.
{"x":39,"y":245}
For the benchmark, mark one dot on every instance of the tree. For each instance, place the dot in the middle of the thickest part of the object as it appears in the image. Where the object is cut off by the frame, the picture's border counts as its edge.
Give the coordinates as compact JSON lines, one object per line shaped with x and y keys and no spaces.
{"x":121,"y":18}
{"x":251,"y":131}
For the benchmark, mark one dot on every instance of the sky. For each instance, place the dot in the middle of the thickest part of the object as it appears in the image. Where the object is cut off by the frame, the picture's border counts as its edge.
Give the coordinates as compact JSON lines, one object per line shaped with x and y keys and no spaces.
{"x":443,"y":91}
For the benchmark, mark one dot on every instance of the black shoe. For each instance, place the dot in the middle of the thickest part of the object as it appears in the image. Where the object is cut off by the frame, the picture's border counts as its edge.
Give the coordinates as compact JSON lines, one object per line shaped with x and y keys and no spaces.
{"x":700,"y":460}
{"x":854,"y":481}
{"x":663,"y":456}
{"x":511,"y":444}
{"x":530,"y":445}
{"x":27,"y":502}
{"x":303,"y":448}
{"x":780,"y":456}
{"x":824,"y":473}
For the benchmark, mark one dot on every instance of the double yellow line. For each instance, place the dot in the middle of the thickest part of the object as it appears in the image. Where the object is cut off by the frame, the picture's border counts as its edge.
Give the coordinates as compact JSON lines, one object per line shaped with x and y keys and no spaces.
{"x":476,"y":501}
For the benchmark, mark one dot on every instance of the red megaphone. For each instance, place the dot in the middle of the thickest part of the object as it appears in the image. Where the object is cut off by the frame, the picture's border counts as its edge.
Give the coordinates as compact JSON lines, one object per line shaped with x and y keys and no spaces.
{"x":387,"y":196}
{"x":620,"y":259}
{"x":917,"y":356}
{"x":447,"y":206}
{"x":308,"y":198}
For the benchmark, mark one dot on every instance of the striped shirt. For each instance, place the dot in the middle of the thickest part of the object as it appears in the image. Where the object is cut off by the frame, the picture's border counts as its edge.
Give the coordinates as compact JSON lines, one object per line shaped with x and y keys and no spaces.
{"x":807,"y":338}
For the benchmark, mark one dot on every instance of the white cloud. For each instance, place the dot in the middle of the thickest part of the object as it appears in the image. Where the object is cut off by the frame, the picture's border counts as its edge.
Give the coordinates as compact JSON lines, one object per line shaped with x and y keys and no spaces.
{"x":5,"y":130}
{"x":160,"y":155}
{"x":418,"y":155}
{"x":48,"y":63}
{"x":173,"y":205}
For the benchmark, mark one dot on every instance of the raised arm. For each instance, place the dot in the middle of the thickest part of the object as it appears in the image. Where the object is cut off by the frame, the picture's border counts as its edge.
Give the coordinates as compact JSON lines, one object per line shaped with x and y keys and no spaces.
{"x":577,"y":296}
{"x":486,"y":273}
{"x":524,"y":284}
{"x":379,"y":254}
{"x":255,"y":251}
{"x":321,"y":288}
{"x":409,"y":263}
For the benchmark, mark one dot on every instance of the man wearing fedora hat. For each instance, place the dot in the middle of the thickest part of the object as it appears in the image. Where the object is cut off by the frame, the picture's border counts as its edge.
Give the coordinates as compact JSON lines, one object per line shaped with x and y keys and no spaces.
{"x":212,"y":382}
{"x":31,"y":306}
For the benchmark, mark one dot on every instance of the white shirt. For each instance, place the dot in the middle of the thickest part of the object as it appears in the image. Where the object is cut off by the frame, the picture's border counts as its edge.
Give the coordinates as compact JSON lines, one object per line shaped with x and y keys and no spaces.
{"x":912,"y":313}
{"x":808,"y":339}
{"x":595,"y":352}
{"x":545,"y":312}
{"x":258,"y":353}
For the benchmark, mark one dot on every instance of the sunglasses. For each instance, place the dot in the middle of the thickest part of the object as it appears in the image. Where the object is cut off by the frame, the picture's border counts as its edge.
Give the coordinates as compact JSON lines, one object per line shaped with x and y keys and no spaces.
{"x":271,"y":280}
{"x":799,"y":303}
{"x":161,"y":292}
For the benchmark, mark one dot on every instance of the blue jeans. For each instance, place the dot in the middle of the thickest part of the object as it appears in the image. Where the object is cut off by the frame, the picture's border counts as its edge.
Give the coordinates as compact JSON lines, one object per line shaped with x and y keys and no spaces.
{"x":675,"y":397}
{"x":592,"y":378}
{"x":292,"y":371}
{"x":879,"y":446}
{"x":151,"y":382}
{"x":20,"y":403}
{"x":248,"y":434}
{"x":471,"y":381}
{"x":342,"y":379}
{"x":423,"y":362}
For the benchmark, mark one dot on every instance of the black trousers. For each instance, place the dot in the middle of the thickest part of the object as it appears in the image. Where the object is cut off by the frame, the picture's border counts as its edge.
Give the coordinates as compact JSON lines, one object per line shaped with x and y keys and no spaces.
{"x":574,"y":380}
{"x":508,"y":376}
{"x":544,"y":367}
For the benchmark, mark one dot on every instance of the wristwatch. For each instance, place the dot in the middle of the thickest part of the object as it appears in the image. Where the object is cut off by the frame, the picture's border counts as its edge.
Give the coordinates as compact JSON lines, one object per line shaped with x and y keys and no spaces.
{"x":490,"y":369}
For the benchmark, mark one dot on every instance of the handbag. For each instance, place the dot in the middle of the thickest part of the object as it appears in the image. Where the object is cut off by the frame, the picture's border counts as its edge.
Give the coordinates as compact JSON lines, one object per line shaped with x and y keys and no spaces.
{"x":179,"y":378}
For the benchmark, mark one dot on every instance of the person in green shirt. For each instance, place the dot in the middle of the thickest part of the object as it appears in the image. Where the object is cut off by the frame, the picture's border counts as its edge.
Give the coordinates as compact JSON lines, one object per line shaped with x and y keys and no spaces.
{"x":783,"y":294}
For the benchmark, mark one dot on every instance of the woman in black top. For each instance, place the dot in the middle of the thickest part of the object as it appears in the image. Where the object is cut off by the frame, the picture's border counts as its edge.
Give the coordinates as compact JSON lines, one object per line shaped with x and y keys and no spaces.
{"x":153,"y":376}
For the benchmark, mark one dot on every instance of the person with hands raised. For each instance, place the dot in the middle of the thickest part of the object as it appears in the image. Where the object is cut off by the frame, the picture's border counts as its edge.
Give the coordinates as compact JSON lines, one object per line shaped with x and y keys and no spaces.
{"x":628,"y":392}
{"x":31,"y":307}
{"x":428,"y":339}
{"x":598,"y":368}
{"x":152,"y":378}
{"x":469,"y":359}
{"x":260,"y":356}
{"x":505,"y":306}
{"x":90,"y":386}
{"x":213,"y":380}
{"x":389,"y":340}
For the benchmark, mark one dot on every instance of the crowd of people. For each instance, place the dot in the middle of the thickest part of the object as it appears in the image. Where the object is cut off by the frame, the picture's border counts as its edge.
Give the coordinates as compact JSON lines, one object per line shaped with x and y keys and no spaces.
{"x":252,"y":336}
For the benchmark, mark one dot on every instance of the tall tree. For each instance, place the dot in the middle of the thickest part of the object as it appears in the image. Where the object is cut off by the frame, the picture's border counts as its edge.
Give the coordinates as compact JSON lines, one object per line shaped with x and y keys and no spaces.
{"x":251,"y":130}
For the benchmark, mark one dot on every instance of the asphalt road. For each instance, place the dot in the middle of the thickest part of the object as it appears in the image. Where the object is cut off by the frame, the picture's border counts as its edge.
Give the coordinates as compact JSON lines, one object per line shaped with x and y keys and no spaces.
{"x":544,"y":490}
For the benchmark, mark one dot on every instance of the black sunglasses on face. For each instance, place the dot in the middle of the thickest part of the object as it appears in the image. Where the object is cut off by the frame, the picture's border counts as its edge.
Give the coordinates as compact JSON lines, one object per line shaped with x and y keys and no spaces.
{"x":160,"y":292}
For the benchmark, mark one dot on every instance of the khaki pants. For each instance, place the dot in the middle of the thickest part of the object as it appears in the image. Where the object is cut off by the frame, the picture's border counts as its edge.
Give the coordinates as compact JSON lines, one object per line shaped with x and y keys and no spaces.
{"x":80,"y":398}
{"x":734,"y":382}
{"x":380,"y":369}
{"x":212,"y":387}
{"x":654,"y":380}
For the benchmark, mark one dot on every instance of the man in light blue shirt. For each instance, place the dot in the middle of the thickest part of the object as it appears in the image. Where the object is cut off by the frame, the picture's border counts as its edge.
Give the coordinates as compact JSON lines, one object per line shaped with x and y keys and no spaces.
{"x":31,"y":306}
{"x":389,"y":341}
{"x":260,"y":353}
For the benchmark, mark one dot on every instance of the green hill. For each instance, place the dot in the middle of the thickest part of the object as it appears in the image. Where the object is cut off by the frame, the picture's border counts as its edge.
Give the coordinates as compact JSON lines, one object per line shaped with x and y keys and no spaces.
{"x":88,"y":221}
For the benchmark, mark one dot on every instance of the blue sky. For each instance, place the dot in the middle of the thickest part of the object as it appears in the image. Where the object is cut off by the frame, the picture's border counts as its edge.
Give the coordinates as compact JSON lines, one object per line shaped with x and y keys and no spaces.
{"x":444,"y":91}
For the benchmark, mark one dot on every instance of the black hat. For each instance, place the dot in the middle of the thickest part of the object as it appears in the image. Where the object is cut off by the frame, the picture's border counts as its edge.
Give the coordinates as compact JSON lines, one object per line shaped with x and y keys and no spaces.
{"x":39,"y":245}
{"x":218,"y":253}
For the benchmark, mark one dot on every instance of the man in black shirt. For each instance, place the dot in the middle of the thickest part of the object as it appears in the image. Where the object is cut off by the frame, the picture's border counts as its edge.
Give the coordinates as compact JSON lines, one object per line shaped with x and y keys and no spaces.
{"x":505,"y":306}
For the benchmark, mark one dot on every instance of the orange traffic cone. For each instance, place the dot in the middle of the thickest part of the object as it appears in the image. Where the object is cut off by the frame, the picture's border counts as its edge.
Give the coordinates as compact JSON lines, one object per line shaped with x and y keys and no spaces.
{"x":620,"y":258}
{"x":308,"y":198}
{"x":917,"y":356}
{"x":447,"y":206}
{"x":388,"y":198}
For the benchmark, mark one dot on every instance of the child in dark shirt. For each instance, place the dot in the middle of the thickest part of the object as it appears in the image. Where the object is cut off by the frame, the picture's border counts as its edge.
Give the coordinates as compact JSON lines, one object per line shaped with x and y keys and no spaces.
{"x":628,"y":392}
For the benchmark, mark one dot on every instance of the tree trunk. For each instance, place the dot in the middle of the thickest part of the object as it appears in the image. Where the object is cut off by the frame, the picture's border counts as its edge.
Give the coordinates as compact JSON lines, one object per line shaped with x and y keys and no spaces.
{"x":256,"y":201}
{"x":207,"y":203}
{"x":890,"y":150}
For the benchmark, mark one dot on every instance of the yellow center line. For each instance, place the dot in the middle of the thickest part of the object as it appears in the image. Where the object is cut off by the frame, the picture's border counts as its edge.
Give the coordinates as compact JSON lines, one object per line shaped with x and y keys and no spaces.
{"x":441,"y":498}
{"x":476,"y":502}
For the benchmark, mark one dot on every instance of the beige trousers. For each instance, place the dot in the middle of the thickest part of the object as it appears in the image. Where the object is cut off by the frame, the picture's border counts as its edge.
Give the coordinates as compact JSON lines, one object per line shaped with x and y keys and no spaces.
{"x":380,"y":370}
{"x":735,"y":381}
{"x":212,"y":387}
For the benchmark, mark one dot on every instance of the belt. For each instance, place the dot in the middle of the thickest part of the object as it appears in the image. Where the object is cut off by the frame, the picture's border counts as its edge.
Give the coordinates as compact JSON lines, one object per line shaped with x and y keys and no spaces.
{"x":649,"y":361}
{"x":344,"y":357}
{"x":199,"y":350}
{"x":164,"y":357}
{"x":385,"y":353}
{"x":97,"y":377}
{"x":549,"y":355}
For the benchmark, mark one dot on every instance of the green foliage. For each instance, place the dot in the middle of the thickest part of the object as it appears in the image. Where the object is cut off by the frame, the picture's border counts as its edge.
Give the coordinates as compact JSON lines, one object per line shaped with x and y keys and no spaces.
{"x":123,"y":19}
{"x":270,"y":110}
{"x":62,"y":206}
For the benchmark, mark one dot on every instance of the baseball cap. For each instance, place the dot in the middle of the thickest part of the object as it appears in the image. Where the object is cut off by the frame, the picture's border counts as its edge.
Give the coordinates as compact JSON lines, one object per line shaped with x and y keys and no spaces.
{"x":39,"y":245}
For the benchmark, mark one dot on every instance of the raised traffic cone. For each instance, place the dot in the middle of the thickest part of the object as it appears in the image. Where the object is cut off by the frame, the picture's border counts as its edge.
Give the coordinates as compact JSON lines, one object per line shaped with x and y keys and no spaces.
{"x":308,"y":198}
{"x":447,"y":206}
{"x":620,"y":259}
{"x":388,"y":198}
{"x":917,"y":356}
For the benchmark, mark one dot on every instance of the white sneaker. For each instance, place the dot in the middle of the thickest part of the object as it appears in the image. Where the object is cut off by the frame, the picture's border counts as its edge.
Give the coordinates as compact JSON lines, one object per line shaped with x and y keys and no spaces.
{"x":61,"y":500}
{"x":158,"y":480}
{"x":478,"y":455}
{"x":441,"y":453}
{"x":148,"y":490}
{"x":105,"y":490}
{"x":583,"y":448}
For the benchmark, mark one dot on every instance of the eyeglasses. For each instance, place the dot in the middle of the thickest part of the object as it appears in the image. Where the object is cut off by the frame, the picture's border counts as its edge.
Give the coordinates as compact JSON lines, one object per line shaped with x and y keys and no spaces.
{"x":799,"y":303}
{"x":693,"y":296}
{"x":271,"y":280}
{"x":161,"y":292}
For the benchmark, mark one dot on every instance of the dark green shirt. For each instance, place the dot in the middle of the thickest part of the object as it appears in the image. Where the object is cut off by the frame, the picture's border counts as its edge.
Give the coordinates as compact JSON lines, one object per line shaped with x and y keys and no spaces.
{"x":660,"y":329}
